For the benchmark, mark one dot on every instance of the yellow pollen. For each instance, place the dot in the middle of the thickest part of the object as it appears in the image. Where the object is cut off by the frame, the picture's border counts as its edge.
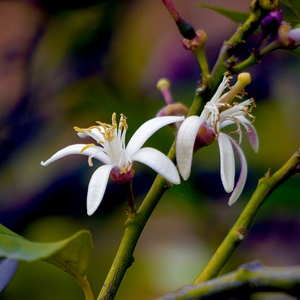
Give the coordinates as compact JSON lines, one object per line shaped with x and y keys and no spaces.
{"x":86,"y":147}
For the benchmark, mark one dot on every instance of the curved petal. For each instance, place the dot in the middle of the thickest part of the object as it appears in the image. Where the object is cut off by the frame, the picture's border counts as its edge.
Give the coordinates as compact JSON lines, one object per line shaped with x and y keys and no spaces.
{"x":73,"y":149}
{"x":97,"y":187}
{"x":243,"y":173}
{"x":226,"y":161}
{"x":185,"y":141}
{"x":95,"y":152}
{"x":146,"y":130}
{"x":159,"y":162}
{"x":252,"y":137}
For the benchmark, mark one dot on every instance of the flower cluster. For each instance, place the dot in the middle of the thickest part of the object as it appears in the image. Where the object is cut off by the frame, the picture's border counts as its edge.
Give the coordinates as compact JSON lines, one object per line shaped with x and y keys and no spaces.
{"x":194,"y":132}
{"x":110,"y":149}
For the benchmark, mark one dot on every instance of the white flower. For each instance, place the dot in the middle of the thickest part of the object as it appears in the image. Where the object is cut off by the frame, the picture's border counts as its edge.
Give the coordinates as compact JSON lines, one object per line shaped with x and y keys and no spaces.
{"x":217,"y":114}
{"x":116,"y":157}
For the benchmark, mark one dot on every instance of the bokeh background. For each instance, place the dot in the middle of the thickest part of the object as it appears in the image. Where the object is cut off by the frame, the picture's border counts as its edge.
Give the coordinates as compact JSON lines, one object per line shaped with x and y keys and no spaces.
{"x":63,"y":65}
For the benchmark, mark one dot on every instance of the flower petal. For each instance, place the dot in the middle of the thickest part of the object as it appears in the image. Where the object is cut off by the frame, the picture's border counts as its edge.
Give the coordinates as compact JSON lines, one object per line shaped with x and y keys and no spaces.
{"x":226,"y":161}
{"x":73,"y":149}
{"x":243,"y":173}
{"x":159,"y":162}
{"x":146,"y":130}
{"x":97,"y":187}
{"x":95,"y":152}
{"x":185,"y":141}
{"x":252,"y":137}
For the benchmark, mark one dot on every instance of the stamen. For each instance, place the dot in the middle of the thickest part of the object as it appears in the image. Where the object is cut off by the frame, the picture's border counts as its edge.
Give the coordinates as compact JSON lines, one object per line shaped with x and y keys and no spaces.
{"x":123,"y":123}
{"x":238,"y":89}
{"x":86,"y":147}
{"x":90,"y":161}
{"x":113,"y":119}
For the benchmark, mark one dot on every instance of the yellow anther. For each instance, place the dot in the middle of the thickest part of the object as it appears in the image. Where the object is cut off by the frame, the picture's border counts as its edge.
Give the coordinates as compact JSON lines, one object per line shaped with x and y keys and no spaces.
{"x":123,"y":123}
{"x":79,"y":129}
{"x":86,"y":147}
{"x":163,"y":83}
{"x":113,"y":119}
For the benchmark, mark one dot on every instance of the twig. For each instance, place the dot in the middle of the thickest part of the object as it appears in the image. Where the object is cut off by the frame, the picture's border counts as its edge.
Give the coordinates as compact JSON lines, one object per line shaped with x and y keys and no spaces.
{"x":248,"y":279}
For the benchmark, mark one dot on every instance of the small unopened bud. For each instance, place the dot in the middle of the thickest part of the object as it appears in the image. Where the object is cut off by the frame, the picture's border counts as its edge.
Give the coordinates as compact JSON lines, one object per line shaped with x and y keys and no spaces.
{"x":269,"y":26}
{"x":205,"y":136}
{"x":176,"y":109}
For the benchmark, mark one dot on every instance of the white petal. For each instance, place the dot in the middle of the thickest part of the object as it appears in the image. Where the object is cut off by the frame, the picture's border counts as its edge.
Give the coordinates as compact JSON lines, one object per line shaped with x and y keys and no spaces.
{"x":159,"y":162}
{"x":226,"y":161}
{"x":185,"y":141}
{"x":243,"y":173}
{"x":252,"y":138}
{"x":96,"y":152}
{"x":294,"y":34}
{"x":73,"y":149}
{"x":146,"y":130}
{"x":97,"y":187}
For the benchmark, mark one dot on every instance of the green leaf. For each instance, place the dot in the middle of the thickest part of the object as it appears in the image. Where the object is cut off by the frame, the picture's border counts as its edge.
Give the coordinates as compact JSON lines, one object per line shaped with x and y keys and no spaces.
{"x":294,"y":5}
{"x":235,"y":16}
{"x":72,"y":255}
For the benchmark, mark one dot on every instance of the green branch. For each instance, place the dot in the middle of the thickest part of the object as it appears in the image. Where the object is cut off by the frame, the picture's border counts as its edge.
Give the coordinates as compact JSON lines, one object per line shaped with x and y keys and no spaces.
{"x":248,"y":279}
{"x":266,"y":186}
{"x":133,"y":229}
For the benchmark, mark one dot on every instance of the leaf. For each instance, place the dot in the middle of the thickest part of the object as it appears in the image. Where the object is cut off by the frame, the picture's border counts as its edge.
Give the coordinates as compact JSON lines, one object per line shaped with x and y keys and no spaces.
{"x":72,"y":255}
{"x":294,"y":5}
{"x":235,"y":16}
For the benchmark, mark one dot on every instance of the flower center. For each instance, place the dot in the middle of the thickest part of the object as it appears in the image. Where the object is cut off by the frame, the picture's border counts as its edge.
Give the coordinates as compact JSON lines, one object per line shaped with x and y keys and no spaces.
{"x":111,"y":141}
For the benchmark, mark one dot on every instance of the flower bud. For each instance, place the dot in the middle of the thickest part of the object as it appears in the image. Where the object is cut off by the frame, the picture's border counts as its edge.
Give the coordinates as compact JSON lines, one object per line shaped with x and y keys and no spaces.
{"x":269,"y":26}
{"x":176,"y":109}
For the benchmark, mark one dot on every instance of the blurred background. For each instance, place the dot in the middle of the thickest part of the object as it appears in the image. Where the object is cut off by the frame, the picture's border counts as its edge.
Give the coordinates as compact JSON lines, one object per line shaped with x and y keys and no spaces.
{"x":64,"y":65}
